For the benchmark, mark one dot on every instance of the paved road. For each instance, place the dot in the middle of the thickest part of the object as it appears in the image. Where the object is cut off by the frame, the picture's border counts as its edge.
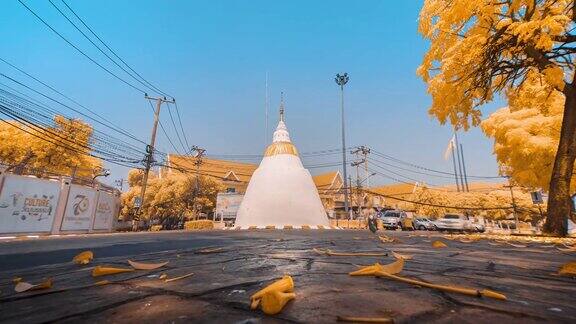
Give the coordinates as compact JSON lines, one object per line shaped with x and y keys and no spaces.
{"x":221,"y":285}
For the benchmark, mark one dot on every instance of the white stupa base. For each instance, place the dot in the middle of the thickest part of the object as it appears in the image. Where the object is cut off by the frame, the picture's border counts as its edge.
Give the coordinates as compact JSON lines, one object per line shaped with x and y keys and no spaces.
{"x":281,"y":193}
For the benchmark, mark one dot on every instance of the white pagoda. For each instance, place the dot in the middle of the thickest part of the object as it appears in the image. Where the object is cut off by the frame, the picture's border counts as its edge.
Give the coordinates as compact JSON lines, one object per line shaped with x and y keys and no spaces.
{"x":281,"y":192}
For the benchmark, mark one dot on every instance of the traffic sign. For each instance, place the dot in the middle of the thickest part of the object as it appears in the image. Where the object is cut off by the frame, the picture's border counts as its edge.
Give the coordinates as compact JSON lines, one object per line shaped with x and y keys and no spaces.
{"x":537,"y":197}
{"x":137,"y":202}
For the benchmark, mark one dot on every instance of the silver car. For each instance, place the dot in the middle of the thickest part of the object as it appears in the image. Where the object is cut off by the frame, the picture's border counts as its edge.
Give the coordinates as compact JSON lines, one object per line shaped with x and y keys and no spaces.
{"x":454,"y":222}
{"x":424,"y":224}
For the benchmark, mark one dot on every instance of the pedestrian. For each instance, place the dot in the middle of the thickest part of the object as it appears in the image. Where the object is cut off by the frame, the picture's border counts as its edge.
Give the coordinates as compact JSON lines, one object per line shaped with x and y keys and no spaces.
{"x":372,"y":223}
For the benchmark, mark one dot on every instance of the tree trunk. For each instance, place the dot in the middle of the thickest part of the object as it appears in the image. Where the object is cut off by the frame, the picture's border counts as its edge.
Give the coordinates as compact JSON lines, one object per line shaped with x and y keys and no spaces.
{"x":559,"y":203}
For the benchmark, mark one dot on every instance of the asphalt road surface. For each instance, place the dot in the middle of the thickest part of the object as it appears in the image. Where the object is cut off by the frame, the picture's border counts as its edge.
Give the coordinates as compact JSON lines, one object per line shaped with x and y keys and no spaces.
{"x":222,"y":283}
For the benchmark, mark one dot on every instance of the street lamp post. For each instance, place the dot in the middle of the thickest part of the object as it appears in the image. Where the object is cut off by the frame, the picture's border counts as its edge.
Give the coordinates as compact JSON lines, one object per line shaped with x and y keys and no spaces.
{"x":341,"y":80}
{"x":100,"y":173}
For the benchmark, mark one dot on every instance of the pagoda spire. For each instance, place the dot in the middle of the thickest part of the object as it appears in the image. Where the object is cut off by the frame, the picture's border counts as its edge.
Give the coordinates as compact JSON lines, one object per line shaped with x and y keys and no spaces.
{"x":281,"y":106}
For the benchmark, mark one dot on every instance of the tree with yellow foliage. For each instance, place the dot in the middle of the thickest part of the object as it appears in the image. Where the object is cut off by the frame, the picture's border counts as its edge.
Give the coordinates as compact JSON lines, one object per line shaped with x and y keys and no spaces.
{"x":480,"y":49}
{"x":42,"y":151}
{"x":173,"y":195}
{"x":526,"y":134}
{"x":488,"y":204}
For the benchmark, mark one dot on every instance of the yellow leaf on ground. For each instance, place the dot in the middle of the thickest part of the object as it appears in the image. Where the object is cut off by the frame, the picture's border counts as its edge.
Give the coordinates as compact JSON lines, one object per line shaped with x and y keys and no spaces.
{"x":273,"y":302}
{"x":373,"y":270}
{"x":83,"y":257}
{"x":146,"y":266}
{"x":568,"y":269}
{"x":460,"y":290}
{"x":178,"y":278}
{"x":25,"y":286}
{"x":103,"y":271}
{"x":402,"y":256}
{"x":163,"y":276}
{"x":210,"y":250}
{"x":439,"y":244}
{"x":516,"y":245}
{"x":364,"y":319}
{"x":332,"y":253}
{"x":286,"y":284}
{"x":274,"y":297}
{"x":101,"y":283}
{"x":386,"y":239}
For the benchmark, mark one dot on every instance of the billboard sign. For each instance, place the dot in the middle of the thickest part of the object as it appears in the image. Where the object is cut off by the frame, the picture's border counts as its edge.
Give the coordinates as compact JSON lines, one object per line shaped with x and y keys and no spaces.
{"x":227,"y":205}
{"x":27,"y":204}
{"x":105,"y":210}
{"x":78,"y":213}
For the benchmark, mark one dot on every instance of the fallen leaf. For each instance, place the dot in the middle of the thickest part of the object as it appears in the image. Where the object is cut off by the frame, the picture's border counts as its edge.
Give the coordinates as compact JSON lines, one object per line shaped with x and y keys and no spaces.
{"x":516,"y":245}
{"x":16,"y":280}
{"x":386,"y":239}
{"x":274,"y":297}
{"x":332,"y":253}
{"x":402,"y":256}
{"x":568,"y":269}
{"x":163,"y":276}
{"x":439,"y":244}
{"x":210,"y":250}
{"x":25,"y":286}
{"x":364,"y":319}
{"x":83,"y":257}
{"x":146,"y":266}
{"x":178,"y":278}
{"x":374,"y":270}
{"x":101,"y":283}
{"x":460,"y":290}
{"x":103,"y":271}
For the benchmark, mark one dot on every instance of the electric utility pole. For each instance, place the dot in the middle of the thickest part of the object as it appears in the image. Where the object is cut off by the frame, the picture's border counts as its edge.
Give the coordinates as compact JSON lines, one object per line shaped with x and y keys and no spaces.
{"x":150,"y":148}
{"x":341,"y":80}
{"x":198,"y":162}
{"x":513,"y":204}
{"x":358,"y":182}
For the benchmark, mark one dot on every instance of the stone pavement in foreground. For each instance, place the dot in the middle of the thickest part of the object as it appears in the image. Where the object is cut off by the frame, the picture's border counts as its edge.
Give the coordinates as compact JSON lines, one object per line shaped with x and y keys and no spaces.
{"x":221,"y":285}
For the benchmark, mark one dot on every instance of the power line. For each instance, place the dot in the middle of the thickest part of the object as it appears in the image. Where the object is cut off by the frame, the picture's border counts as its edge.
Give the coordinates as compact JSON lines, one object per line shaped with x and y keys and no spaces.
{"x":35,"y":122}
{"x":80,"y":51}
{"x":110,"y":125}
{"x":176,"y":129}
{"x":112,"y":51}
{"x":164,"y":131}
{"x":60,"y":103}
{"x":435,"y":205}
{"x":180,"y":121}
{"x":98,"y":47}
{"x":388,"y":157}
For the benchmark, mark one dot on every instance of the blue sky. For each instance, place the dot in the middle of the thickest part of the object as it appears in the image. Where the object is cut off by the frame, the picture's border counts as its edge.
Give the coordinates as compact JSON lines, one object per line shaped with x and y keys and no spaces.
{"x":213,"y":56}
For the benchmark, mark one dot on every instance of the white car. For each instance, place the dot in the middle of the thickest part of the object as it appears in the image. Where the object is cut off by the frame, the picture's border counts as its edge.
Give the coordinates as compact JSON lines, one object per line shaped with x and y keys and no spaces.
{"x":454,"y":222}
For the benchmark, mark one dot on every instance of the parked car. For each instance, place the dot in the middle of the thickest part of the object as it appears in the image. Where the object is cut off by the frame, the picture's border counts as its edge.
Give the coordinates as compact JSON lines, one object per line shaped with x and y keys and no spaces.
{"x":454,"y":222}
{"x":394,"y":219}
{"x":478,"y":225}
{"x":424,"y":224}
{"x":391,"y":219}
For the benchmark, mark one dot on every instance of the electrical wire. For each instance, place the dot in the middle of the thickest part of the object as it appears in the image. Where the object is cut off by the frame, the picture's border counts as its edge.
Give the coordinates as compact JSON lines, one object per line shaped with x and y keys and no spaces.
{"x":79,"y":50}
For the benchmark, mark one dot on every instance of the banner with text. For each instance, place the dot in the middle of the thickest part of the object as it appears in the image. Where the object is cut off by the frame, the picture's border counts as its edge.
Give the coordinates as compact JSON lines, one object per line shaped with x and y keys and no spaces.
{"x":27,"y":204}
{"x":78,"y":213}
{"x":105,"y":211}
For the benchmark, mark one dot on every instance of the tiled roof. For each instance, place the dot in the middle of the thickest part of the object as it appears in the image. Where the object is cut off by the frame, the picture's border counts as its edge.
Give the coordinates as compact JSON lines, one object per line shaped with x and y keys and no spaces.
{"x":230,"y":170}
